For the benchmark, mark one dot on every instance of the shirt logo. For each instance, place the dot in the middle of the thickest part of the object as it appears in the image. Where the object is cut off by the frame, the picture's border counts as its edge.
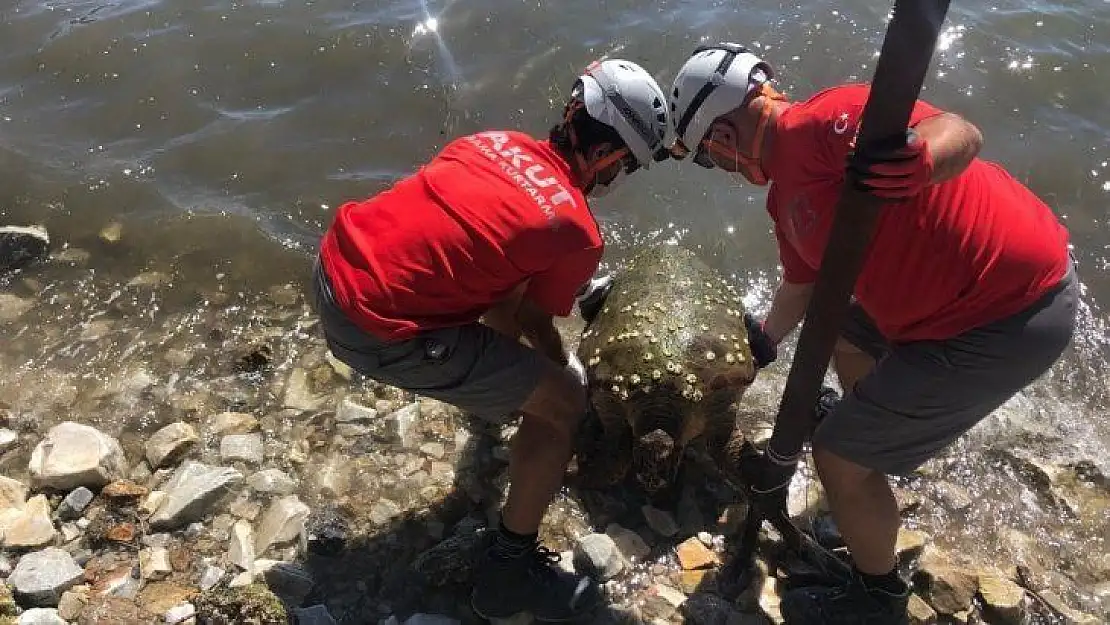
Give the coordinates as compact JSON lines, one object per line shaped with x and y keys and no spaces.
{"x":533,"y":178}
{"x":803,"y":219}
{"x":840,"y":126}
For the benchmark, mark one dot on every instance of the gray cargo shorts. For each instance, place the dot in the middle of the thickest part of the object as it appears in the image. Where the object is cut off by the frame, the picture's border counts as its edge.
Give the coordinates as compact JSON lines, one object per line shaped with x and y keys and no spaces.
{"x":472,"y":366}
{"x":923,"y":395}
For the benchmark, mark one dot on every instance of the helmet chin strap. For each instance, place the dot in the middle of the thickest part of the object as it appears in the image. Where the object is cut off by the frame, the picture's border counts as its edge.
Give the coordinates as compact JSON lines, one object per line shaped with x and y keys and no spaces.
{"x":588,"y":174}
{"x":751,"y":167}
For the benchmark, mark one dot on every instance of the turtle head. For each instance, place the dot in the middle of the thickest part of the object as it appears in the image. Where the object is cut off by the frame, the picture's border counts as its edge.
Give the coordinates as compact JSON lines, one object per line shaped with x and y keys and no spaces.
{"x":655,"y":459}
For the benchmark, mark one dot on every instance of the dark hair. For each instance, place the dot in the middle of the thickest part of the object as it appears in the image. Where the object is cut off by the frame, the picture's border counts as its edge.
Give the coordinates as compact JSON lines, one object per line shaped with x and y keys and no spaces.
{"x":588,"y":130}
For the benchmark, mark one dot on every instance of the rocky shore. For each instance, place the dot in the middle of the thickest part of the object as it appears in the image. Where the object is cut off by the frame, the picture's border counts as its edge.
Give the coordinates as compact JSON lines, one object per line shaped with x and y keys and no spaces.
{"x":209,"y":462}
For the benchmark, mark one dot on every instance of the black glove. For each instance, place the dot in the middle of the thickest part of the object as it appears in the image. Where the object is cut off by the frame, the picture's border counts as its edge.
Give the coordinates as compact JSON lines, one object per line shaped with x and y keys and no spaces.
{"x":827,"y":399}
{"x":764,"y":350}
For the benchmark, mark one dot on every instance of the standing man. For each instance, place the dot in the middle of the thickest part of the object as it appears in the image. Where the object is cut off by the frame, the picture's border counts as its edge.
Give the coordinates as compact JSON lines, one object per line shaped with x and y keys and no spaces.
{"x":967,"y":295}
{"x":429,"y":286}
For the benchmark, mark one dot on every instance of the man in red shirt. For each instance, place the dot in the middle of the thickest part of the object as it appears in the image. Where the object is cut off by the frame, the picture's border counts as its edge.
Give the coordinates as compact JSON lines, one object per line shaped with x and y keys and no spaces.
{"x":967,"y":294}
{"x":429,"y":286}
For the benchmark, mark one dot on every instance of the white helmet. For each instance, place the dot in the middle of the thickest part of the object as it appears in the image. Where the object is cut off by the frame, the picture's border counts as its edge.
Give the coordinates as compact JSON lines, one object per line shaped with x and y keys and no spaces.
{"x":714,"y":80}
{"x":622,"y":95}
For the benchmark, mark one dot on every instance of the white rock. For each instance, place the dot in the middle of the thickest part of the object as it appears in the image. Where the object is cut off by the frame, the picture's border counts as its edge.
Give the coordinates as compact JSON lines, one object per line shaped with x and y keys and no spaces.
{"x":152,"y":502}
{"x":70,"y":532}
{"x":232,"y":423}
{"x":41,"y":616}
{"x":28,"y":527}
{"x":274,"y":481}
{"x":8,"y":439}
{"x":73,"y":455}
{"x":169,"y":444}
{"x":350,"y":411}
{"x":383,"y":511}
{"x":154,"y":563}
{"x":244,"y":447}
{"x":180,"y":613}
{"x":283,"y":521}
{"x":246,"y":578}
{"x":241,"y":548}
{"x":13,"y":494}
{"x":435,"y":450}
{"x":41,"y":577}
{"x":191,"y":492}
{"x":298,"y":392}
{"x":210,"y":577}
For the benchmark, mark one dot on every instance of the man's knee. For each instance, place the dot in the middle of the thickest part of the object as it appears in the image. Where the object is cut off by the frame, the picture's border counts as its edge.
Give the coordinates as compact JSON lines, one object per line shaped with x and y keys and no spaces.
{"x":836,"y":470}
{"x":559,"y":400}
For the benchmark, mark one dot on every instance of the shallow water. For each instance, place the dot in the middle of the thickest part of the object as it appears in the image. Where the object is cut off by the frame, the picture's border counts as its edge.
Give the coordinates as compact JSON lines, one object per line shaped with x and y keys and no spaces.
{"x":220,"y":137}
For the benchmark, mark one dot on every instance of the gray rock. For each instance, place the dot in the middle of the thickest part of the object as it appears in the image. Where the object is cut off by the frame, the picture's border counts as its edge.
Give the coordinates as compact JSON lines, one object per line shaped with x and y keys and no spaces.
{"x":72,"y":602}
{"x":350,"y":411}
{"x":352,"y":430}
{"x":40,"y":578}
{"x":73,"y":455}
{"x":288,"y":580}
{"x":283,"y":521}
{"x":313,"y":615}
{"x":41,"y":616}
{"x":169,"y":444}
{"x":630,"y":544}
{"x":191,"y":492}
{"x":435,"y":450}
{"x":660,"y":521}
{"x":75,"y":503}
{"x":597,"y":555}
{"x":29,"y":526}
{"x":244,"y":447}
{"x":273,"y":481}
{"x":401,"y":425}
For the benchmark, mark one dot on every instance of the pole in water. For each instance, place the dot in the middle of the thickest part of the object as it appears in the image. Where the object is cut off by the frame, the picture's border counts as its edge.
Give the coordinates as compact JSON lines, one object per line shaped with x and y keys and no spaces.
{"x":904,"y":60}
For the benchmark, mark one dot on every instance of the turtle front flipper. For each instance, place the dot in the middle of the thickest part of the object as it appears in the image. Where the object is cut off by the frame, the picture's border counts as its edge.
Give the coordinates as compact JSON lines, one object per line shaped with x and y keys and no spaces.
{"x":603,"y":450}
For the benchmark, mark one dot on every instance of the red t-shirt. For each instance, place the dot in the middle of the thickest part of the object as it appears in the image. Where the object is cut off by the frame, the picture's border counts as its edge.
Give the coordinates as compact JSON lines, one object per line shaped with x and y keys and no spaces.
{"x":966,"y":252}
{"x":442,"y":246}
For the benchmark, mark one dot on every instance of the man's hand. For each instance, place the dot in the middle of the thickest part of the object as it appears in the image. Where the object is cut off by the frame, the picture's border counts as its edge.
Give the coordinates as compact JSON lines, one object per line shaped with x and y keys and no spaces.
{"x":764,"y":350}
{"x":892,"y":172}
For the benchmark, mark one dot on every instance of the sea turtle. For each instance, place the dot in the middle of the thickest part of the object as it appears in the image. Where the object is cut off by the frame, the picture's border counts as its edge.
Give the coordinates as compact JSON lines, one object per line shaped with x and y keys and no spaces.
{"x":667,"y":356}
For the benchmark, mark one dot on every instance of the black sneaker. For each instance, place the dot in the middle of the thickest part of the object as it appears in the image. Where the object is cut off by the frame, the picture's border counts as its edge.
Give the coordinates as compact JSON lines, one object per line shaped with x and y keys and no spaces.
{"x":532,"y":583}
{"x":22,"y":246}
{"x":851,"y":604}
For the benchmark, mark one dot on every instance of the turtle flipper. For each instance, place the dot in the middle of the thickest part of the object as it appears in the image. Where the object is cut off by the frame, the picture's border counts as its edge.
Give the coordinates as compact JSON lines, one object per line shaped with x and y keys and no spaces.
{"x":603,"y":452}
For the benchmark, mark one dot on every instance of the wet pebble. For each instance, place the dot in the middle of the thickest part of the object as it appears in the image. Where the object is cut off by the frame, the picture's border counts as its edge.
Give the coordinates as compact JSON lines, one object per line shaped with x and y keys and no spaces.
{"x":74,"y":503}
{"x":598,"y":556}
{"x":169,"y":444}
